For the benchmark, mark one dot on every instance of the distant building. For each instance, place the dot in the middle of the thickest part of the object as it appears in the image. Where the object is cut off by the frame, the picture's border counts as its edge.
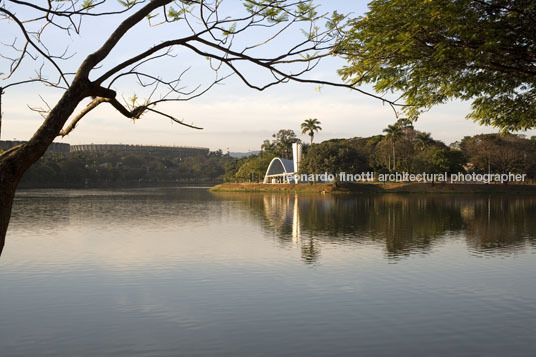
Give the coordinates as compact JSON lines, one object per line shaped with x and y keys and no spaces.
{"x":53,"y":148}
{"x":179,"y":150}
{"x":65,"y":148}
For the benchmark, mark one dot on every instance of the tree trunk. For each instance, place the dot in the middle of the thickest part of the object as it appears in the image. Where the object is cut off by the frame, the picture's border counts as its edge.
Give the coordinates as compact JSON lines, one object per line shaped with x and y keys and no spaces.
{"x":7,"y":193}
{"x":15,"y":161}
{"x":1,"y":92}
{"x":9,"y":178}
{"x":394,"y":157}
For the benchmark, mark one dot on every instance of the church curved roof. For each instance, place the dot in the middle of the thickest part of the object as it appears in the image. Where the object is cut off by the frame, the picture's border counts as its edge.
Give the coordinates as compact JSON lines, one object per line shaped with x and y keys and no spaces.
{"x":279,"y":166}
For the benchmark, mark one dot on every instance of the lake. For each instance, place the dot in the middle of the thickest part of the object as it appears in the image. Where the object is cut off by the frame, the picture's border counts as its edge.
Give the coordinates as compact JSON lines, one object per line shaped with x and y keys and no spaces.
{"x":182,"y":271}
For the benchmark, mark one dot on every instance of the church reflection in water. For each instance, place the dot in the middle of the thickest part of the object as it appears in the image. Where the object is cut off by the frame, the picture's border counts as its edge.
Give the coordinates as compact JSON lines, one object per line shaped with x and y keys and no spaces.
{"x":403,"y":224}
{"x":282,"y":213}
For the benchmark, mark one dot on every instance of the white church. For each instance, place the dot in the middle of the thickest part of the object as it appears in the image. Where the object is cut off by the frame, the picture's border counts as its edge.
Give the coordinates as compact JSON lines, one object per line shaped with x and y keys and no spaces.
{"x":283,"y":170}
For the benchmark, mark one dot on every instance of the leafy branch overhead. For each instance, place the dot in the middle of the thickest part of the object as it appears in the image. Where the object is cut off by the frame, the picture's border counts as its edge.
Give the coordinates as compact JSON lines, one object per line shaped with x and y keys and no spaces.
{"x":481,"y":51}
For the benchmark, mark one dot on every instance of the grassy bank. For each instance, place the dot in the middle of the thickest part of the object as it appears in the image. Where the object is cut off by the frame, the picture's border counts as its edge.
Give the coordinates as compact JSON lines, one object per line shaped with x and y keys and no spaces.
{"x":376,"y":187}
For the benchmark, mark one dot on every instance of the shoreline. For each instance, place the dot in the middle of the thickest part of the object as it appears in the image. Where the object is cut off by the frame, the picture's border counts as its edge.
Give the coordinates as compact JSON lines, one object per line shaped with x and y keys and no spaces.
{"x":390,"y":187}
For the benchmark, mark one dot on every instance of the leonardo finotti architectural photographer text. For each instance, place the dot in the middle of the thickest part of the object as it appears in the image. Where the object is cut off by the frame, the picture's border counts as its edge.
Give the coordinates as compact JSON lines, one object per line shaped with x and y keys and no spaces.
{"x":424,"y":177}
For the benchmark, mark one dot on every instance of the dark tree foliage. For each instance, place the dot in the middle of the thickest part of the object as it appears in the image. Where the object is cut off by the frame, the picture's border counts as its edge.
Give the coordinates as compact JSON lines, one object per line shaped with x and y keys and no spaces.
{"x":482,"y":51}
{"x":438,"y":159}
{"x":281,"y":144}
{"x":500,"y":153}
{"x":253,"y":169}
{"x":333,"y":156}
{"x":80,"y":170}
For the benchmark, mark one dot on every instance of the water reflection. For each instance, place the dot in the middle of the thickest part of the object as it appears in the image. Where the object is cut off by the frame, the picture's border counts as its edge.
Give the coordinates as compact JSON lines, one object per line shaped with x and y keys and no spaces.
{"x":505,"y":225}
{"x":399,"y":224}
{"x":188,"y":272}
{"x":403,"y":224}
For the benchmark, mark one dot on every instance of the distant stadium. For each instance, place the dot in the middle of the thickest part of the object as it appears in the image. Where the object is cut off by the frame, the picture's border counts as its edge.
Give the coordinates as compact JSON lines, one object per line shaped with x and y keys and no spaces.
{"x":179,"y":150}
{"x":53,"y":148}
{"x":65,"y":148}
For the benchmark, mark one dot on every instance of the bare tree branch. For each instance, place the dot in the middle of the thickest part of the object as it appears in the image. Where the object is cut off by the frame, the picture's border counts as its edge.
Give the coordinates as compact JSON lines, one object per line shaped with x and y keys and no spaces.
{"x":28,"y":39}
{"x":92,"y":105}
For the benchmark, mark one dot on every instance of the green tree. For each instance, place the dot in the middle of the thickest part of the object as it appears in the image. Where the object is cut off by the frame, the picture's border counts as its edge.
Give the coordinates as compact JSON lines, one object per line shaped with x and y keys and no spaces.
{"x":404,"y":123}
{"x":393,"y":133}
{"x":254,"y":168}
{"x":267,"y":147}
{"x":432,"y":51}
{"x":423,"y":140}
{"x":500,"y":153}
{"x":333,"y":156}
{"x":437,"y":159}
{"x":310,"y":126}
{"x":282,"y":143}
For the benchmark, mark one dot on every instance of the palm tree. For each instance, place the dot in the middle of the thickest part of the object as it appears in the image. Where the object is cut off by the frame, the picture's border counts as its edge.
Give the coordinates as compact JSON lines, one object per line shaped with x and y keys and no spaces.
{"x":423,"y":140}
{"x":311,"y":125}
{"x":393,"y":133}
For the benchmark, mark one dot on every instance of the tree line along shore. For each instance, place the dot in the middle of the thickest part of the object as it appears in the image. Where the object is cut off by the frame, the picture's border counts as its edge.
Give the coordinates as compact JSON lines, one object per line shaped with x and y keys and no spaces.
{"x":404,"y":151}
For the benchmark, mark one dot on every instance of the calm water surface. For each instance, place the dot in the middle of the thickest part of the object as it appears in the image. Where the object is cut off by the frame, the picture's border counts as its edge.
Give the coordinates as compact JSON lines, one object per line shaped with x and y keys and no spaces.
{"x":168,"y":272}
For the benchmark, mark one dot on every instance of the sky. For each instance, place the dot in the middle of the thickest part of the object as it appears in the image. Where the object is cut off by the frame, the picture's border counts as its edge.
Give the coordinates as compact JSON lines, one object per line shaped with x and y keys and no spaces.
{"x":234,"y":117}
